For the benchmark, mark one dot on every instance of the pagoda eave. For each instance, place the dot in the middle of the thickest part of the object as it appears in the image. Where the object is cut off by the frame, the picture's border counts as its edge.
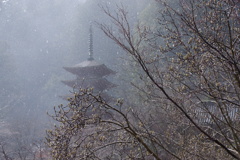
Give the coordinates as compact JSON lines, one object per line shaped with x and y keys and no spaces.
{"x":88,"y":71}
{"x":100,"y":84}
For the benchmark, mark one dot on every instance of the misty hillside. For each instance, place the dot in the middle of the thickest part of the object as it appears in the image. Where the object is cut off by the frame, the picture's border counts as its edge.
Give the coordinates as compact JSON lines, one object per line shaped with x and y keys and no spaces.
{"x":119,"y":79}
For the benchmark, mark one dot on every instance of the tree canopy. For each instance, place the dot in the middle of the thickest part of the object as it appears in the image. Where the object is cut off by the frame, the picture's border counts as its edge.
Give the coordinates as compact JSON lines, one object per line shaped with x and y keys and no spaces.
{"x":189,"y":72}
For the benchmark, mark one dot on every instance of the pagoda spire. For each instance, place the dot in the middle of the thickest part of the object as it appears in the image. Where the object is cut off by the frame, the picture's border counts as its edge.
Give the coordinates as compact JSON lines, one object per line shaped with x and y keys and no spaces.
{"x":90,"y":74}
{"x":90,"y":52}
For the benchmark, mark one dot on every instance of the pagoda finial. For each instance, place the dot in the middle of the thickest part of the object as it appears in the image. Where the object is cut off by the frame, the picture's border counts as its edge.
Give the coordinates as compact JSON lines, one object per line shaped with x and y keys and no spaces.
{"x":90,"y":44}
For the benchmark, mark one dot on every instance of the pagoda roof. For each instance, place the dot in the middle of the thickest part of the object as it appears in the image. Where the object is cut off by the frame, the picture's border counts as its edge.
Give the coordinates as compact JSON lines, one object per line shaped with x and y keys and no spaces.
{"x":90,"y":68}
{"x":99,"y":84}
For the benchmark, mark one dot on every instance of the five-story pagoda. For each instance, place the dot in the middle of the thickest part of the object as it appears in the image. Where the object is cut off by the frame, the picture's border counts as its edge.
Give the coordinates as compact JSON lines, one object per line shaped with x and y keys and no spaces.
{"x":90,"y":73}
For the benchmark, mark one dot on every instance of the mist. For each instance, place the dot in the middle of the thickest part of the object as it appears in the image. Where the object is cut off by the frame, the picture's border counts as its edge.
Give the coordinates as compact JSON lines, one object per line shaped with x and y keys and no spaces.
{"x":39,"y":38}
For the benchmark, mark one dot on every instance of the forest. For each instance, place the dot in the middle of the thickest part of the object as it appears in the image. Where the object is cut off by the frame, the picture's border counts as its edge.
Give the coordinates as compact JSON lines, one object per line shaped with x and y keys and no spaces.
{"x":120,"y":80}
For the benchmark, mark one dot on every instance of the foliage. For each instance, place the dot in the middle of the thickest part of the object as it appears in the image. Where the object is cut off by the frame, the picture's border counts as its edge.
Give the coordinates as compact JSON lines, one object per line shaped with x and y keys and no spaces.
{"x":192,"y":83}
{"x":91,"y":128}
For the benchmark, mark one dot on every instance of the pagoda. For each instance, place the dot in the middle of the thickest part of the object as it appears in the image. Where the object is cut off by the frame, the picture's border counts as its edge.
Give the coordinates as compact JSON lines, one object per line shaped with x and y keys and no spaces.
{"x":90,"y":73}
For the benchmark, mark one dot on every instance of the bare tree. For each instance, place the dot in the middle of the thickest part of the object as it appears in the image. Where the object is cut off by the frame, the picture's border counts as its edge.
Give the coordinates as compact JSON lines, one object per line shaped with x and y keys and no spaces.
{"x":191,"y":76}
{"x":21,"y":141}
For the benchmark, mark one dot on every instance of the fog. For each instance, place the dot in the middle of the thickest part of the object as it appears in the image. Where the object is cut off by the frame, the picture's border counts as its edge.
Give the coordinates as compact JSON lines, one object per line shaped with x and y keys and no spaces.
{"x":38,"y":35}
{"x":39,"y":38}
